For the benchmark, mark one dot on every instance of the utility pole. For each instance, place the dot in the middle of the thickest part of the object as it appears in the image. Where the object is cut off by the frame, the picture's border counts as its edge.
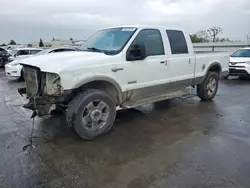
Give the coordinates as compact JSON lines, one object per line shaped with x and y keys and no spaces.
{"x":248,"y":40}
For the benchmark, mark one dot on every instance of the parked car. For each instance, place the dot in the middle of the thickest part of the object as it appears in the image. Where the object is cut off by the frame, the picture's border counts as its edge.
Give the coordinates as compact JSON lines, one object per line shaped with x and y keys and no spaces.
{"x":240,"y":63}
{"x":22,"y":53}
{"x":120,"y":66}
{"x":14,"y":69}
{"x":4,"y":55}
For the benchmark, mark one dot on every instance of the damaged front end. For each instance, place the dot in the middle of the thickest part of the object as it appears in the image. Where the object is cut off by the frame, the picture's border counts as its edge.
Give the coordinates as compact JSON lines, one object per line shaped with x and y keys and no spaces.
{"x":43,"y":90}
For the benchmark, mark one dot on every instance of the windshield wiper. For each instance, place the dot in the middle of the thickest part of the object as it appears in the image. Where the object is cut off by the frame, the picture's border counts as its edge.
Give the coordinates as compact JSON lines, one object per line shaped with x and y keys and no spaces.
{"x":95,"y":49}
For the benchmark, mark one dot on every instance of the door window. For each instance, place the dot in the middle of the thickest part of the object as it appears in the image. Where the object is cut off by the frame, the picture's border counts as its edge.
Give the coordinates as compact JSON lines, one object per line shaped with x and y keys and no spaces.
{"x":152,"y":40}
{"x":177,"y":42}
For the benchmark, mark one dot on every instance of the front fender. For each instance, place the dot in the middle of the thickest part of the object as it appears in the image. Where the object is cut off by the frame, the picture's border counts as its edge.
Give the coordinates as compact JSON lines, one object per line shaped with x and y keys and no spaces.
{"x":101,"y":78}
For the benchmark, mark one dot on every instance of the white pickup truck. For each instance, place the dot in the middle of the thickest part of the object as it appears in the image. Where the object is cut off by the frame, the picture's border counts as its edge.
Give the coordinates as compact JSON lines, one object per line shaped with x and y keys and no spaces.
{"x":120,"y":66}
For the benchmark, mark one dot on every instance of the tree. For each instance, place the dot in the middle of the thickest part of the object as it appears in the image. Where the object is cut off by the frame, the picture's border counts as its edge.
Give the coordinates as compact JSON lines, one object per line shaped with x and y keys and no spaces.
{"x":29,"y":45}
{"x":12,"y":42}
{"x":195,"y":38}
{"x":203,"y":35}
{"x":200,"y":36}
{"x":213,"y":33}
{"x":71,"y":39}
{"x":41,"y":43}
{"x":223,"y":40}
{"x":53,"y":39}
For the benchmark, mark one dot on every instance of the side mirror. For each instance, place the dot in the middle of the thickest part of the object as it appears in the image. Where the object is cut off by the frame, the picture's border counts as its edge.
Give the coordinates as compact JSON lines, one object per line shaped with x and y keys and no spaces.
{"x":136,"y":52}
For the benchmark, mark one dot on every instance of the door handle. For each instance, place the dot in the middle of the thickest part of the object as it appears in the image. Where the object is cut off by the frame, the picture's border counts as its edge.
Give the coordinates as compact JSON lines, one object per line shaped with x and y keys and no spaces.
{"x":164,"y":62}
{"x":117,"y":69}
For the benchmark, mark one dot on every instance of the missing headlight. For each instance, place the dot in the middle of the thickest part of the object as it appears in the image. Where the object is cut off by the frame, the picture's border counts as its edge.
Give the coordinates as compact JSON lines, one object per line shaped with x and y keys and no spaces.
{"x":52,"y":84}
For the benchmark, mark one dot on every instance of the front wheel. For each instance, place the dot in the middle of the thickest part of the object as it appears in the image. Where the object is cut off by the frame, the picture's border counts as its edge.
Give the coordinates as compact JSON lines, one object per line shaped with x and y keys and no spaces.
{"x":208,"y":89}
{"x":91,"y":113}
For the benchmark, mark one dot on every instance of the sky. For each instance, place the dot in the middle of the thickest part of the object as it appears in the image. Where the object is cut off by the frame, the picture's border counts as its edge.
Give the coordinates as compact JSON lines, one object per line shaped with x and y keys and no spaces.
{"x":27,"y":21}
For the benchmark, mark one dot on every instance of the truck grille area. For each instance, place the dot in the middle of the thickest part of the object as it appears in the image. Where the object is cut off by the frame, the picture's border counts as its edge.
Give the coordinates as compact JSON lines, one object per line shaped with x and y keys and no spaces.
{"x":31,"y":76}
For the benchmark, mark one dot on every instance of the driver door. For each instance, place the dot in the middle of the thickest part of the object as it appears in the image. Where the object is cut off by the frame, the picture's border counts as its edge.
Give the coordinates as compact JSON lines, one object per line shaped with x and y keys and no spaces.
{"x":147,"y":76}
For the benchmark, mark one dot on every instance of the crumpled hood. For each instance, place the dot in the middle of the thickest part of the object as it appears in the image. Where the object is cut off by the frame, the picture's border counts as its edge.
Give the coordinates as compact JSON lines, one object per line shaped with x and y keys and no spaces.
{"x":57,"y":62}
{"x":239,"y":59}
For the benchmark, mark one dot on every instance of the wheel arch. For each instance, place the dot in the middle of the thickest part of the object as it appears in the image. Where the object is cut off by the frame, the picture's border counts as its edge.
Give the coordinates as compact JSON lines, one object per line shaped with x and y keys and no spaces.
{"x":102,"y":82}
{"x":214,"y":67}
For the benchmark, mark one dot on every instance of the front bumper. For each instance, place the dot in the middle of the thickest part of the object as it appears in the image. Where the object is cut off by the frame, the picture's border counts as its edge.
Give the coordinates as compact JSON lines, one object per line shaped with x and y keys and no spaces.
{"x":13,"y":71}
{"x":239,"y":70}
{"x":43,"y":105}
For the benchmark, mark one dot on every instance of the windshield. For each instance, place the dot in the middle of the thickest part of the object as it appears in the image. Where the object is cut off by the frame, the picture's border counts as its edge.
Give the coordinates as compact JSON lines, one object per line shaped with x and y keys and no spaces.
{"x":242,"y":53}
{"x":109,"y":41}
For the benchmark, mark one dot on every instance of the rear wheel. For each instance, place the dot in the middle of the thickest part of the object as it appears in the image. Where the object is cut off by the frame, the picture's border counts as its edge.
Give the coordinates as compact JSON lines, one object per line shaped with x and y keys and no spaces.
{"x":91,"y":113}
{"x":208,"y":89}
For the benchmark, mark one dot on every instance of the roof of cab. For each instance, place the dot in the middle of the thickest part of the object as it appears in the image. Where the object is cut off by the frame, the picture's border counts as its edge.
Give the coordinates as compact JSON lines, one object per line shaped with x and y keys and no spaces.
{"x":148,"y":26}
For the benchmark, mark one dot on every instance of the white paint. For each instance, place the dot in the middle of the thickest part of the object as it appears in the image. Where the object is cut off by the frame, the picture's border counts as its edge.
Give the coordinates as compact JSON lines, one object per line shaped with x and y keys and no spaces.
{"x":76,"y":67}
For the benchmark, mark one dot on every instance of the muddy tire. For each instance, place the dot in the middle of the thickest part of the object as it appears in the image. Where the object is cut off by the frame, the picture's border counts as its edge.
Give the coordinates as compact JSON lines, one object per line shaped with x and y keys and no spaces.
{"x":91,"y":113}
{"x":208,"y":89}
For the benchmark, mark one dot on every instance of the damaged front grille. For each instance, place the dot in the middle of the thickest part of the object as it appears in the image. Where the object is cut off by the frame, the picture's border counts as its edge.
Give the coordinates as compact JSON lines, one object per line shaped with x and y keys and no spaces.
{"x":32,"y":77}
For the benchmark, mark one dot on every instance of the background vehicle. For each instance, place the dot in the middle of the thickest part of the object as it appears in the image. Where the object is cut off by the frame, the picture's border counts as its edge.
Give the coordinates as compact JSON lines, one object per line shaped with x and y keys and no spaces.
{"x":121,"y":66}
{"x":240,"y":63}
{"x":23,"y":53}
{"x":14,"y":69}
{"x":12,"y":47}
{"x":4,"y":55}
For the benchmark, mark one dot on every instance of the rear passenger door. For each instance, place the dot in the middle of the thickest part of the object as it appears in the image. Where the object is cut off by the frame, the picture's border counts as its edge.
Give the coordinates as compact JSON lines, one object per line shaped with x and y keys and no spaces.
{"x":180,"y":61}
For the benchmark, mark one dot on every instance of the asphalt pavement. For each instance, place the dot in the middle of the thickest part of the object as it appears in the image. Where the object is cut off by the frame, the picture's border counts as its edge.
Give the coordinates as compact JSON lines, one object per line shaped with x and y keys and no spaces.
{"x":177,"y":143}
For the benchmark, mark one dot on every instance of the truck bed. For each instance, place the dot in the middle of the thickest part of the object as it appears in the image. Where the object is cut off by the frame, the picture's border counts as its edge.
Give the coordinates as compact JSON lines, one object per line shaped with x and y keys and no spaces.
{"x":204,"y":58}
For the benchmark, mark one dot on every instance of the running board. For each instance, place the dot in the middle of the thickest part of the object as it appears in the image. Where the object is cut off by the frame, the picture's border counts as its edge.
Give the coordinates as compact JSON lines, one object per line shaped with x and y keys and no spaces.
{"x":180,"y":93}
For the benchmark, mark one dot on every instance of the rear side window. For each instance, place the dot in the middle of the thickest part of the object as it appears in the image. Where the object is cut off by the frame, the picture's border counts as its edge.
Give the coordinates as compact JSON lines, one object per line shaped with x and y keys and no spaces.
{"x":153,"y":41}
{"x":34,"y":51}
{"x":177,"y":42}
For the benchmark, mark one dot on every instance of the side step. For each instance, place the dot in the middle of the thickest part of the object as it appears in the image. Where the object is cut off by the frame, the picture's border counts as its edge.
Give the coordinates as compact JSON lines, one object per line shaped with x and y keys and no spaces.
{"x":131,"y":104}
